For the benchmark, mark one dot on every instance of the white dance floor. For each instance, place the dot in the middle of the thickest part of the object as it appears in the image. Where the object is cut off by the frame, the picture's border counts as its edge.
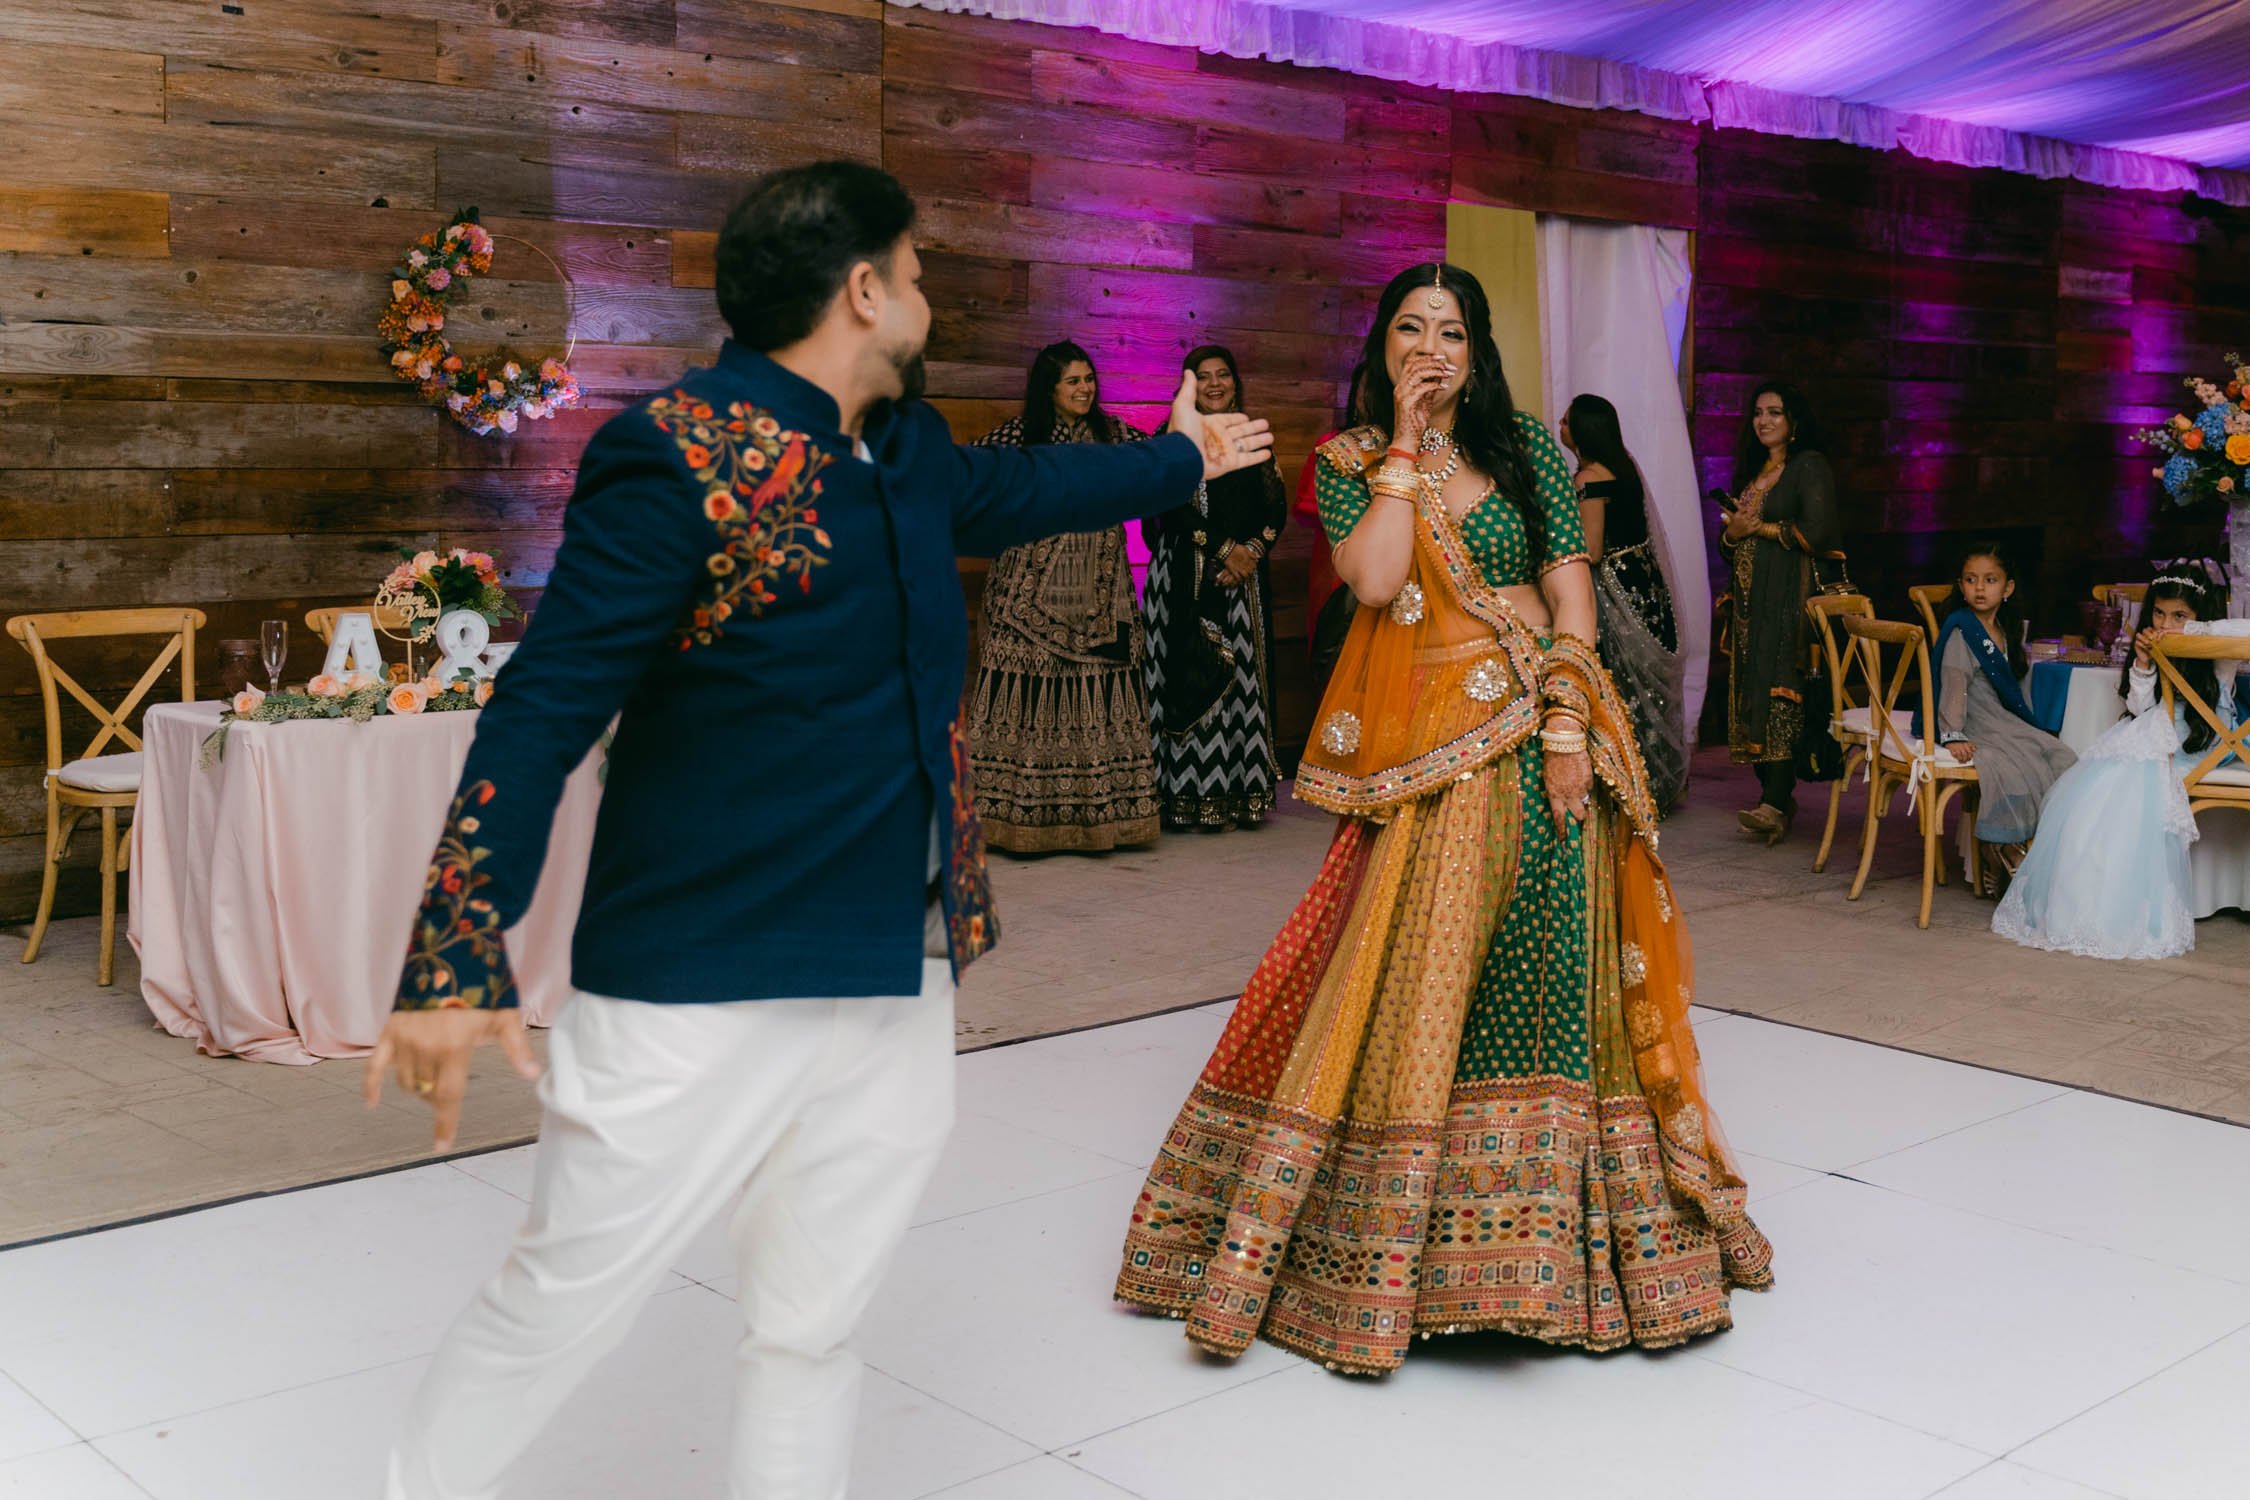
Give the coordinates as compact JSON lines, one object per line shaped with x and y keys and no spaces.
{"x":1990,"y":1289}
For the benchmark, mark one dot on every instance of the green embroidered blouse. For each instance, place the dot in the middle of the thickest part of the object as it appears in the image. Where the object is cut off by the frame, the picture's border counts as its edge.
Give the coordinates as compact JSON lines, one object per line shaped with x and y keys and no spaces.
{"x":1506,"y":550}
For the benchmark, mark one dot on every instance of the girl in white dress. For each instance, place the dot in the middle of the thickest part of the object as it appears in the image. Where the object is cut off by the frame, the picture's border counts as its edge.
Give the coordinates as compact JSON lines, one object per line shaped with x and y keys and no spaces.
{"x":2107,"y":875}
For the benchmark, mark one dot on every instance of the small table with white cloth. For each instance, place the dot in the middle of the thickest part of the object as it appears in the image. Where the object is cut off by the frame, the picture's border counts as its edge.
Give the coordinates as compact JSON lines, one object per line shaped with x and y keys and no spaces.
{"x":273,"y":891}
{"x":2075,"y":702}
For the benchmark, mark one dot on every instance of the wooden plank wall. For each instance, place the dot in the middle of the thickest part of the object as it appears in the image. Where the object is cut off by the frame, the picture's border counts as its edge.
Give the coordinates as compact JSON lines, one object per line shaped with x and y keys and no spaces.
{"x":1979,"y":345}
{"x":197,"y":206}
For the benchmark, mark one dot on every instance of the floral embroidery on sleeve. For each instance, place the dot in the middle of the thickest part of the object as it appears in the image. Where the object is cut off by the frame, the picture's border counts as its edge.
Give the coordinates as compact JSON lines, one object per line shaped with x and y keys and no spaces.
{"x":457,"y":959}
{"x":761,"y":489}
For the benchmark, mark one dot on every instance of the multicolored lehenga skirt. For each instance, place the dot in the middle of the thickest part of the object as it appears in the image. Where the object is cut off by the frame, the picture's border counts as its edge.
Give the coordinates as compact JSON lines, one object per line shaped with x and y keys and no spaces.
{"x":1460,"y":1092}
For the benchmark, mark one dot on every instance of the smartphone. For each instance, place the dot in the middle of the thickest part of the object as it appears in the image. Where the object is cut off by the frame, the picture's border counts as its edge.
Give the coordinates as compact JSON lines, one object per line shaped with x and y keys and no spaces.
{"x":1725,"y":500}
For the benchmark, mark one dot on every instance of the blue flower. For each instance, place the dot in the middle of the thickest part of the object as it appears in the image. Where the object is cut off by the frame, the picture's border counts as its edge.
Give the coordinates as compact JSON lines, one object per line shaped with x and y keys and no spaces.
{"x":2213,"y":423}
{"x":2177,"y":471}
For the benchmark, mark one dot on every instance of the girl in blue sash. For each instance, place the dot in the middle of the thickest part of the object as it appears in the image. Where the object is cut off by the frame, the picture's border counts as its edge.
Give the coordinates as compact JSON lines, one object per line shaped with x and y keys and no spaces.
{"x":1982,"y":715}
{"x":2108,"y":876}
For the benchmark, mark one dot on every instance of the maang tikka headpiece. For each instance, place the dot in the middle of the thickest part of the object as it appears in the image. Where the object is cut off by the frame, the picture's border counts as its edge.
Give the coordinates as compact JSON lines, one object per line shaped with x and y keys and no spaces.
{"x":1437,"y":287}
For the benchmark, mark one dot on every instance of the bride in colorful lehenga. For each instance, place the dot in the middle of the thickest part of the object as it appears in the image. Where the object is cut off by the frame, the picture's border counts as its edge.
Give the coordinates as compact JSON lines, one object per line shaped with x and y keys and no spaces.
{"x":1460,"y":1091}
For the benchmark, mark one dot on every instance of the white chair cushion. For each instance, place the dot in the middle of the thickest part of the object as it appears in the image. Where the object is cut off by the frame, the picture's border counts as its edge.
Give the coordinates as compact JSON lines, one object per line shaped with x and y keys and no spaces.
{"x":104,"y":773}
{"x":1859,"y":724}
{"x":2233,"y":773}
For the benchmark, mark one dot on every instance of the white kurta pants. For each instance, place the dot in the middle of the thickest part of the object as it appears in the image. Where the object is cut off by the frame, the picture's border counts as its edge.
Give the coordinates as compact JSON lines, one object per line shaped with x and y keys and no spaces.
{"x":826,"y":1115}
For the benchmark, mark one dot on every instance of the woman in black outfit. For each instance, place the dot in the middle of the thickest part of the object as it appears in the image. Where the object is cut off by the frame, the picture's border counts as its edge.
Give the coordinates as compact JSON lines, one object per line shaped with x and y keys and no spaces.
{"x":1640,"y":638}
{"x":1782,"y":521}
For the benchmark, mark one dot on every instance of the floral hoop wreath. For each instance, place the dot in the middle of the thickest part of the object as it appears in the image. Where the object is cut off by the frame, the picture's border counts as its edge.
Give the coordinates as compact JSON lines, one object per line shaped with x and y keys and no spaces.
{"x":483,"y":398}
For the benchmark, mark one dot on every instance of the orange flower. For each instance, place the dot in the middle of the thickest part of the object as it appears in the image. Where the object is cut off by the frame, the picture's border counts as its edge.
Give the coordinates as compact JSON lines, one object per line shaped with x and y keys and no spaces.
{"x":408,"y":698}
{"x":697,"y":456}
{"x":2192,"y":439}
{"x":2238,"y":448}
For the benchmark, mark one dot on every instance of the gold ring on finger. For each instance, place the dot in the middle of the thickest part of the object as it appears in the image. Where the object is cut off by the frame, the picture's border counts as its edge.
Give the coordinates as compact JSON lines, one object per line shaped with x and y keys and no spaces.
{"x":426,"y":1087}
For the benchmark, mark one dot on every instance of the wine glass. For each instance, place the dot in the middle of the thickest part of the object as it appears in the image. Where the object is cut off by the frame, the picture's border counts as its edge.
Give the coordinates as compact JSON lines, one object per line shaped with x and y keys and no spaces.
{"x":273,"y":638}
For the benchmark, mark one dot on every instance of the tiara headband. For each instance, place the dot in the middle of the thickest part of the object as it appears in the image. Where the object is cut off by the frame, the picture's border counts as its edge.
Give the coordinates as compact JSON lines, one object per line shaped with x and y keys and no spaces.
{"x":2184,"y":580}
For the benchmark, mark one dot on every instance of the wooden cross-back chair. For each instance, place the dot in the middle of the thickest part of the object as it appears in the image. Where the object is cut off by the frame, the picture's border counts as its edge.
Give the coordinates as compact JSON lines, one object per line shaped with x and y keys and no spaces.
{"x":2221,"y":778}
{"x":1927,"y":597}
{"x":97,"y":779}
{"x":322,"y":622}
{"x":1847,"y":720}
{"x":1898,"y":756}
{"x":2125,"y":595}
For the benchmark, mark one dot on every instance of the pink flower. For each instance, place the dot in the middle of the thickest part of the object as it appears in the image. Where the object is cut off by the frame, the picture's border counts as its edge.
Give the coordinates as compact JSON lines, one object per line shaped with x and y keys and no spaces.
{"x":440,"y":279}
{"x":246,"y":702}
{"x":359,"y":682}
{"x":326,"y":686}
{"x":408,"y":698}
{"x":484,"y":691}
{"x":425,"y":562}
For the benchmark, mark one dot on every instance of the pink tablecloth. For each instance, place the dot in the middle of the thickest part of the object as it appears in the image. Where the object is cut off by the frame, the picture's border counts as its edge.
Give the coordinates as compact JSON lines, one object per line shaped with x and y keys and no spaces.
{"x":272,"y":893}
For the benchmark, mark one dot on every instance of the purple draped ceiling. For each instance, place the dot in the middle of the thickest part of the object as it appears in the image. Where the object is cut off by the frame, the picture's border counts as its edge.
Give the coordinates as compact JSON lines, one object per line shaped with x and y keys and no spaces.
{"x":2128,"y":93}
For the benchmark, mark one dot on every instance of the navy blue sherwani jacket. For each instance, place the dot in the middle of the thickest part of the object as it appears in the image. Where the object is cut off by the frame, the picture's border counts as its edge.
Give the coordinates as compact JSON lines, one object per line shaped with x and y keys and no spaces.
{"x":776,"y":624}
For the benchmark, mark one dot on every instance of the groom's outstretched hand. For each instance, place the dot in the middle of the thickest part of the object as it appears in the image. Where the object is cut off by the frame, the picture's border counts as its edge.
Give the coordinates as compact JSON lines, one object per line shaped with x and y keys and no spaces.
{"x":1229,"y":440}
{"x":429,"y":1050}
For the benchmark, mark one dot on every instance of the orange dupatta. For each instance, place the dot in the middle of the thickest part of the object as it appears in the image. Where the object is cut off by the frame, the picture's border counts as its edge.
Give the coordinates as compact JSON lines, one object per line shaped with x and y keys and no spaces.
{"x":1445,"y":680}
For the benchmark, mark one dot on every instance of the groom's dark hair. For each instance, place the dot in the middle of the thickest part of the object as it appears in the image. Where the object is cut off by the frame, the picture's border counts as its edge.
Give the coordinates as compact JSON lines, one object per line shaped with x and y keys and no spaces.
{"x":790,"y":243}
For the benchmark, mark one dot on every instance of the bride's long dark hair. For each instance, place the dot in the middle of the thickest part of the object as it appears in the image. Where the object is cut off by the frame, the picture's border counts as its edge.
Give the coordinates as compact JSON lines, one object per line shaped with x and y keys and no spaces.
{"x":1485,"y":428}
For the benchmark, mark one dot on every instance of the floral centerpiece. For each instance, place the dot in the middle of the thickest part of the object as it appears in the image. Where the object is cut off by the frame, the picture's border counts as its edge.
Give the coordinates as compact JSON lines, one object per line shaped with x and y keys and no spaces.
{"x":2209,"y":448}
{"x":2207,"y":457}
{"x":426,"y":586}
{"x":359,"y":698}
{"x":484,"y":398}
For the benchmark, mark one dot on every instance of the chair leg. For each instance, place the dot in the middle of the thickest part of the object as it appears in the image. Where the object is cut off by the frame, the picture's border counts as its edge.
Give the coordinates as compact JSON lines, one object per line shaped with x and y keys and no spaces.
{"x":1931,"y":874}
{"x":1878,"y":789}
{"x":59,"y":830}
{"x":108,"y":971}
{"x":1835,"y":806}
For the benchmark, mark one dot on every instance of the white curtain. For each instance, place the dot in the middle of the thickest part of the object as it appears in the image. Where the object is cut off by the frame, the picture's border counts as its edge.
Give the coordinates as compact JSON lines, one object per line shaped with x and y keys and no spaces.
{"x":1613,"y":309}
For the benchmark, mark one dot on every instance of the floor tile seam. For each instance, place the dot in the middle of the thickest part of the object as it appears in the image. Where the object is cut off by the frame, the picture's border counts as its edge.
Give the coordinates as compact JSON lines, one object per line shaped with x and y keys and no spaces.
{"x":2013,"y":1454}
{"x":1296,"y":1367}
{"x":2062,"y":1091}
{"x":1952,"y":1485}
{"x":2212,"y":1277}
{"x":173,"y":1419}
{"x":1018,"y":1464}
{"x":1050,"y":1137}
{"x":1962,"y":1062}
{"x":1038,"y":1450}
{"x":91,"y":1447}
{"x":971,"y":1213}
{"x":1712,"y":1355}
{"x":33,"y":1397}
